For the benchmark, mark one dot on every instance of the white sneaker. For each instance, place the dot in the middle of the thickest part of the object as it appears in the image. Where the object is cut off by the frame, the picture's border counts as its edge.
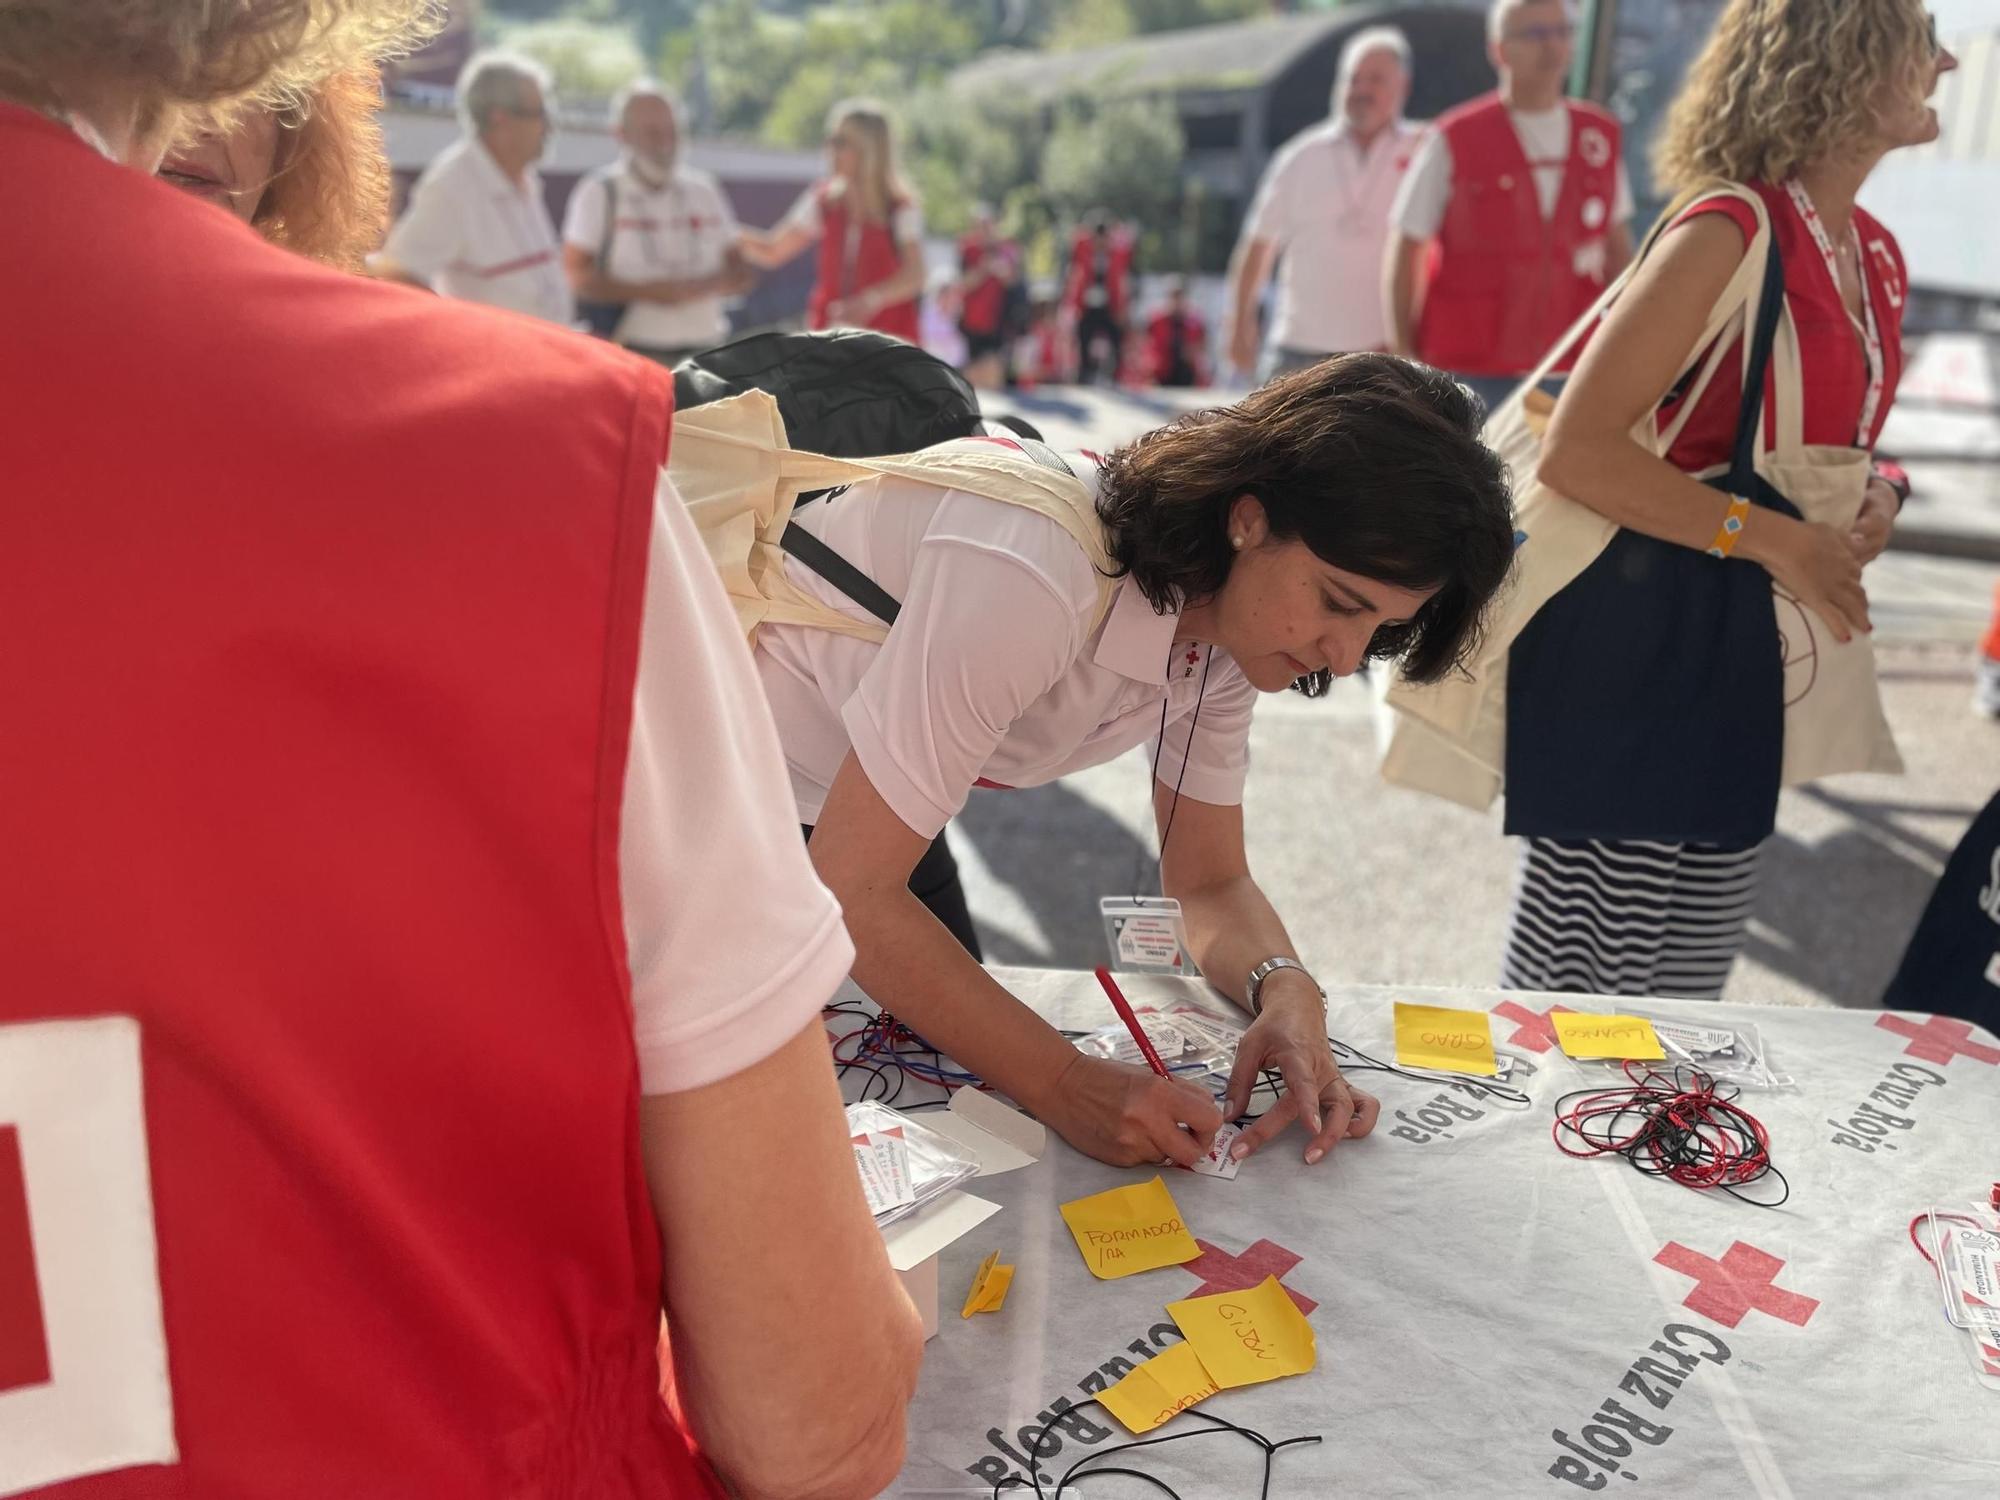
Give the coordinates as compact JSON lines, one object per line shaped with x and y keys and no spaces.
{"x":1986,"y":688}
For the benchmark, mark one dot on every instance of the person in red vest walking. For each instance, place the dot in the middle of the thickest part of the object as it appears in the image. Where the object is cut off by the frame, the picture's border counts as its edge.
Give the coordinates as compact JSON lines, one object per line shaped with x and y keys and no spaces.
{"x":1177,"y":342}
{"x":1513,"y":216}
{"x":1097,"y":297}
{"x":867,"y":223}
{"x":989,"y":265}
{"x":408,"y":936}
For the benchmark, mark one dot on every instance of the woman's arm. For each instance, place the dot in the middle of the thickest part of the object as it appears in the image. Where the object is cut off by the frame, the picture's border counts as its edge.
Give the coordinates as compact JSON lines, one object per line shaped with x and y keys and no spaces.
{"x":913,"y":968}
{"x":1590,"y":455}
{"x":767,"y":249}
{"x":769,"y":1246}
{"x":1232,"y":927}
{"x":908,"y":282}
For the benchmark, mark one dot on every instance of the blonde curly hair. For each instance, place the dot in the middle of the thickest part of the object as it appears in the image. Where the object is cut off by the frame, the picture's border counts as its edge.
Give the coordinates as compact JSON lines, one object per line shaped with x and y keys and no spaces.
{"x":163,"y":56}
{"x":1785,"y":82}
{"x":329,"y":198}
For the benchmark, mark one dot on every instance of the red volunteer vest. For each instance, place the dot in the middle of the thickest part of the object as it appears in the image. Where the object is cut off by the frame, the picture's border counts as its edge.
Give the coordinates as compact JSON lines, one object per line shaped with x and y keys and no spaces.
{"x":1503,"y":282}
{"x":1117,"y":275}
{"x":323,"y":599}
{"x":985,"y":302}
{"x":876,"y":258}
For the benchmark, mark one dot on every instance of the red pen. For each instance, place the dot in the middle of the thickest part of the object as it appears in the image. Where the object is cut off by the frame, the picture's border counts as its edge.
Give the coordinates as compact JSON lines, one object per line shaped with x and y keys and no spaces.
{"x":1124,"y":1009}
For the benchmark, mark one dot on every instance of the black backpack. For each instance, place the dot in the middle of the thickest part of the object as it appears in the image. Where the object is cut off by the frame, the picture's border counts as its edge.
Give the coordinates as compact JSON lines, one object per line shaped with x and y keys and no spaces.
{"x":848,"y":393}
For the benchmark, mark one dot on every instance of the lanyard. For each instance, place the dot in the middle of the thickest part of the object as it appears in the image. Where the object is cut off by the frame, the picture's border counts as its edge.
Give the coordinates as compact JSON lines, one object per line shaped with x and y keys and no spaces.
{"x":1871,"y":338}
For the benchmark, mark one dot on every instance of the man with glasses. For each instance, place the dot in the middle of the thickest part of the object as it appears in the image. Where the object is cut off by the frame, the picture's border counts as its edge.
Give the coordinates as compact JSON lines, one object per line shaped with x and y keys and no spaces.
{"x":1514,"y":215}
{"x":477,"y":226}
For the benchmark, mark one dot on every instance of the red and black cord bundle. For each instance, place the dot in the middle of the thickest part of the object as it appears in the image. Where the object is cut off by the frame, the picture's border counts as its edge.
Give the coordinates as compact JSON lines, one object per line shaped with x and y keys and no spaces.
{"x":1679,"y":1125}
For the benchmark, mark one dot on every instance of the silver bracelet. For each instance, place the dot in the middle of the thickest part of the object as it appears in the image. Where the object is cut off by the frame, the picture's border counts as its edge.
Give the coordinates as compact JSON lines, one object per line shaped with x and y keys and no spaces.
{"x":1264,"y":971}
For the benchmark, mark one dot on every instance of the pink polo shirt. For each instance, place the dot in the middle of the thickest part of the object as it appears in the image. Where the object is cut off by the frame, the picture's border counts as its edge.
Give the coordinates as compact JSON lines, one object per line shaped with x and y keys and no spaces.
{"x":995,"y":669}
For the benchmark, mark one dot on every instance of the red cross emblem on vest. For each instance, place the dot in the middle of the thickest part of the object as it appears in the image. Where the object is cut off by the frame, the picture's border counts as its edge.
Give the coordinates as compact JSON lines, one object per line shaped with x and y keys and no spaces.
{"x":1938,"y":1039}
{"x":1743,"y":1281}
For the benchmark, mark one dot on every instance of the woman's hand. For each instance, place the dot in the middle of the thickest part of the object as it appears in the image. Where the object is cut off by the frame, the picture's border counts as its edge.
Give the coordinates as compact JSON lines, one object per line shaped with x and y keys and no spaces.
{"x":1815,"y":565}
{"x":1290,"y":1036}
{"x":1879,"y":507}
{"x":1129,"y":1116}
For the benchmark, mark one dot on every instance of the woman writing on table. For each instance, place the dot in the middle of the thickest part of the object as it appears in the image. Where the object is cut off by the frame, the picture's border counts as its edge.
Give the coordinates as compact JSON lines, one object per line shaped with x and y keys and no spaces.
{"x":867,"y":224}
{"x":1342,"y":513}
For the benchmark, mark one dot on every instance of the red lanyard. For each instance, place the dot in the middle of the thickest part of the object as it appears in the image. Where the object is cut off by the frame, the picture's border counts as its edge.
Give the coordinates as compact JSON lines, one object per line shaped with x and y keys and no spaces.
{"x":1871,"y":338}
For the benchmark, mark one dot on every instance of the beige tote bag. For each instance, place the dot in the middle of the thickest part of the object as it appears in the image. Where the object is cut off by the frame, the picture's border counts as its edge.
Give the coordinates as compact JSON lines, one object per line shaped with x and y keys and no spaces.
{"x":1449,"y":738}
{"x":740,"y":480}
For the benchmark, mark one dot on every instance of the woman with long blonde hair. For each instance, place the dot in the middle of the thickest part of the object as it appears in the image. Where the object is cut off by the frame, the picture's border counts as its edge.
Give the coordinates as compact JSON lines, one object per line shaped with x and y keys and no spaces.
{"x":867,"y":223}
{"x":1647,"y":721}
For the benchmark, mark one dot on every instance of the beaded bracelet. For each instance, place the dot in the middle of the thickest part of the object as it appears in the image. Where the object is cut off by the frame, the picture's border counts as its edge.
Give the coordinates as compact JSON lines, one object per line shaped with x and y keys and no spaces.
{"x":1731,"y":530}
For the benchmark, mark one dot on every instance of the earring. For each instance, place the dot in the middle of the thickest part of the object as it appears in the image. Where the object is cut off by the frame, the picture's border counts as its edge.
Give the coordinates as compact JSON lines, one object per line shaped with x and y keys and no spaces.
{"x":1236,"y":542}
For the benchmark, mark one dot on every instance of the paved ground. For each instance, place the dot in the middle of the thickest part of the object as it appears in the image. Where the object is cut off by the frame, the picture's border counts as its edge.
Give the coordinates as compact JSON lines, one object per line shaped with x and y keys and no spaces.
{"x":1382,"y":885}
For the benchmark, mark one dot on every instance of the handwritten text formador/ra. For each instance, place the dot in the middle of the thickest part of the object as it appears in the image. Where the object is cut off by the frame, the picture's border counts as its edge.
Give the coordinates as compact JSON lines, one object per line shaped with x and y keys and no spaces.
{"x":1140,"y":1232}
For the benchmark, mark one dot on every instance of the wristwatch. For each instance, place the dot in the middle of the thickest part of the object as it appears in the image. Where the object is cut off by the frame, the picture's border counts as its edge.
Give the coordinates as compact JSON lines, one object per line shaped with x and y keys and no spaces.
{"x":1264,"y":971}
{"x":1896,"y":477}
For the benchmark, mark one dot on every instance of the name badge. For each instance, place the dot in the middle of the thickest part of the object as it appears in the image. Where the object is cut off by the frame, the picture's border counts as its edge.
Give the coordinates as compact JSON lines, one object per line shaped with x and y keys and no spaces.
{"x":1146,"y":934}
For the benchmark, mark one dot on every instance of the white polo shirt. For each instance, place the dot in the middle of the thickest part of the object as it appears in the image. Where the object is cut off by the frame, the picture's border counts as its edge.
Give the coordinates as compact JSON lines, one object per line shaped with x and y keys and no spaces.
{"x":473,"y":234}
{"x":734,"y":944}
{"x":994,"y":670}
{"x":1324,"y":203}
{"x":675,"y":232}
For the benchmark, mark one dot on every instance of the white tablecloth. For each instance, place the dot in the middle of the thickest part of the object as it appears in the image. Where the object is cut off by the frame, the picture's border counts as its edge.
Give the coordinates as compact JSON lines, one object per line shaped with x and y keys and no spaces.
{"x":1494,"y":1318}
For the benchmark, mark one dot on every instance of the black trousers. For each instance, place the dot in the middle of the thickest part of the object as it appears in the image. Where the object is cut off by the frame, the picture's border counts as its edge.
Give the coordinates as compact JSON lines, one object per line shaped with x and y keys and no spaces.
{"x":935,"y":882}
{"x":1093,"y":324}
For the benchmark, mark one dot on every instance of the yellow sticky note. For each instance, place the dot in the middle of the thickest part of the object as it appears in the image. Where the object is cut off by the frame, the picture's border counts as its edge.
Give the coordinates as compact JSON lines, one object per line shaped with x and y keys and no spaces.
{"x":1246,"y":1337}
{"x":989,"y":1286}
{"x":1585,"y":1035}
{"x":1163,"y":1387}
{"x":1129,"y":1229}
{"x":1453,"y":1041}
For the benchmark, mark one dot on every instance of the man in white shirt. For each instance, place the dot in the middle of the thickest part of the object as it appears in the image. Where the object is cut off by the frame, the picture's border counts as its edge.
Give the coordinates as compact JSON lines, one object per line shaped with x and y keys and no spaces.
{"x":1322,"y":214}
{"x":477,"y":226}
{"x":1514,"y":215}
{"x":655,"y":235}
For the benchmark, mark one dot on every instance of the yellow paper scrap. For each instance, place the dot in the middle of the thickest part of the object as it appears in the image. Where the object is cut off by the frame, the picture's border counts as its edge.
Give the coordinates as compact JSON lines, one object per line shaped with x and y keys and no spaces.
{"x":1453,"y":1041}
{"x":1585,"y":1035}
{"x":1246,"y":1337}
{"x":989,"y":1287}
{"x":1163,"y":1387}
{"x":1129,"y":1229}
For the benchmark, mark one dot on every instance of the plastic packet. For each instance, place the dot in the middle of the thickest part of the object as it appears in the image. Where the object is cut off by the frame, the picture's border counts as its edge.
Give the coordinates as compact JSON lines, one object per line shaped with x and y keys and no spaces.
{"x":902,"y":1162}
{"x":1187,"y":1041}
{"x":1965,"y":1251}
{"x":1732,"y":1053}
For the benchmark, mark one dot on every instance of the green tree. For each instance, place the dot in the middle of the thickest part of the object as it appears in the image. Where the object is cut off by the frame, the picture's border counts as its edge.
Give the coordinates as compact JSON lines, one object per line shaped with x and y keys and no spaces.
{"x":590,"y":60}
{"x":1123,"y":155}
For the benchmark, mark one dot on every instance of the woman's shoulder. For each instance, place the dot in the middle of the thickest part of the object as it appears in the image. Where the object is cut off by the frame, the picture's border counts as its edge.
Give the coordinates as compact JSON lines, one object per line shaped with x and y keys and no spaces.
{"x":1726,"y":200}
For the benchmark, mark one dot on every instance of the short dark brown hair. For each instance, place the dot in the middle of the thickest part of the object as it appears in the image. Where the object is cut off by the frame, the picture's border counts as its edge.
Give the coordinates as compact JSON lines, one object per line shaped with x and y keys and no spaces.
{"x":1373,"y":462}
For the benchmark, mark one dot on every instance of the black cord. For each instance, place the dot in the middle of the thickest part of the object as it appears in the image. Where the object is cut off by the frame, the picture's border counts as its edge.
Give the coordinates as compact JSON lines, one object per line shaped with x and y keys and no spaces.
{"x":1501,"y":1093}
{"x":1218,"y":1426}
{"x":1160,"y":744}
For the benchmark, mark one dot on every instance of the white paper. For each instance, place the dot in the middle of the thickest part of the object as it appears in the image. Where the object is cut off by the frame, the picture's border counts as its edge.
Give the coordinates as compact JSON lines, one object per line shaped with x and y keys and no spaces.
{"x":1003,"y":1139}
{"x":914,"y":1240}
{"x":1218,"y":1162}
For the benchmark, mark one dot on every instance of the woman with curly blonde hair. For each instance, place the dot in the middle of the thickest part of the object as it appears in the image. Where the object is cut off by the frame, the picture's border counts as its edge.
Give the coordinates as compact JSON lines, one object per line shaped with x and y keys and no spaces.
{"x":312,"y":176}
{"x":1645,"y":730}
{"x":411,"y":879}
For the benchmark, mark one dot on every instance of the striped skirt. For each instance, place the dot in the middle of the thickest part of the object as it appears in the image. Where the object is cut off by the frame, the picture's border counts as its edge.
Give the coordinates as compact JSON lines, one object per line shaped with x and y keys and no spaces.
{"x":1629,"y":917}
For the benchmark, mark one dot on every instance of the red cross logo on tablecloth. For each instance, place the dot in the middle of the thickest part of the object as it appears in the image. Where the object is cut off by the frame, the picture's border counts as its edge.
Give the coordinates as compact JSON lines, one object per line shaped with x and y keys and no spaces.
{"x":1939,"y":1039}
{"x":1738,"y":1283}
{"x":1222,"y":1272}
{"x":1534,"y":1032}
